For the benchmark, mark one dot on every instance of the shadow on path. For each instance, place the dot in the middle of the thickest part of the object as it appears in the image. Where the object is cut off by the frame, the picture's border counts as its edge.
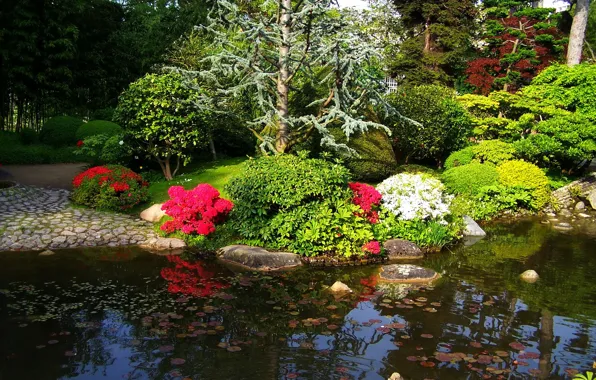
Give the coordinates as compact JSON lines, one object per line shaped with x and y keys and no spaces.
{"x":53,"y":175}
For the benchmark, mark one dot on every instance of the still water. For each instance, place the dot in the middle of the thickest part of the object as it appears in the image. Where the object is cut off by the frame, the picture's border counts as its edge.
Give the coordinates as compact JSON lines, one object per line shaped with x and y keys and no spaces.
{"x":128,"y":314}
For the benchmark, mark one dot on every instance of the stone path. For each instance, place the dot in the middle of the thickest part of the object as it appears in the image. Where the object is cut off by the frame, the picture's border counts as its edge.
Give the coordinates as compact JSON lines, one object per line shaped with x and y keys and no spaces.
{"x":33,"y":218}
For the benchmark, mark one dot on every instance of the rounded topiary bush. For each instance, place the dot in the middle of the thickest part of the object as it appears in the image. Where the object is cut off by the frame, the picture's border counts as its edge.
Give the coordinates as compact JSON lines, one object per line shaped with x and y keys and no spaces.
{"x":110,"y":187}
{"x":98,"y":127}
{"x":28,"y":136}
{"x":300,"y":204}
{"x":494,"y":151}
{"x":460,"y":157}
{"x":470,"y":178}
{"x":376,"y":159}
{"x":523,"y":174}
{"x":60,"y":131}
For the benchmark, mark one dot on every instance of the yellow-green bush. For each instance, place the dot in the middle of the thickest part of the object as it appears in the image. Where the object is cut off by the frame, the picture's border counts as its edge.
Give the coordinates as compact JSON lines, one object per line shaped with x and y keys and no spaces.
{"x":494,"y":151}
{"x":519,"y":173}
{"x":460,"y":157}
{"x":469,"y":179}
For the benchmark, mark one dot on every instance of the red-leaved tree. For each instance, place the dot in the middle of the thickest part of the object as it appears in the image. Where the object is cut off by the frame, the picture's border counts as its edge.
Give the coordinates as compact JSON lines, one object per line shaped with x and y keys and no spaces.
{"x":517,"y":46}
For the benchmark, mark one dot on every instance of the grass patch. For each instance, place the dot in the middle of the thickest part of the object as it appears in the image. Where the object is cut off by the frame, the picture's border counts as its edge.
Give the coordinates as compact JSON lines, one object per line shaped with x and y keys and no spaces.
{"x":216,"y":173}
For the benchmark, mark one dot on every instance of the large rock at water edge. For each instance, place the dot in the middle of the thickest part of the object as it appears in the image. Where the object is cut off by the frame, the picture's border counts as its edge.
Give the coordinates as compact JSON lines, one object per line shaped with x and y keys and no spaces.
{"x":164,"y":244}
{"x":256,"y":258}
{"x":407,"y":273}
{"x":340,"y":287}
{"x":591,"y":197}
{"x":402,"y":249}
{"x":529,"y":276}
{"x":472,"y":228}
{"x":153,"y":214}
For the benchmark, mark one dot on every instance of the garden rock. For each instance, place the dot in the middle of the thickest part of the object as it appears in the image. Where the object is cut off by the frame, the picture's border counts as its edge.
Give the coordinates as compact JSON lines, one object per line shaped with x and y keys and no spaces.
{"x":529,"y":276}
{"x":407,"y":273}
{"x":566,"y":213}
{"x":402,"y":249}
{"x":584,"y":187}
{"x":153,"y":214}
{"x":165,"y":244}
{"x":395,"y":376}
{"x":563,"y":227}
{"x":256,"y":258}
{"x":579,"y":206}
{"x":472,"y":228}
{"x":47,"y":252}
{"x":591,"y":197}
{"x":339,"y":287}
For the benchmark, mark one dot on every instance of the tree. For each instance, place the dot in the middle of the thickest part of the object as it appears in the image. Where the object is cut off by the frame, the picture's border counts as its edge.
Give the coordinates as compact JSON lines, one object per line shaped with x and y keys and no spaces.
{"x":282,"y":44}
{"x":578,"y":32}
{"x":519,"y":41}
{"x":159,"y":117}
{"x":437,"y":38}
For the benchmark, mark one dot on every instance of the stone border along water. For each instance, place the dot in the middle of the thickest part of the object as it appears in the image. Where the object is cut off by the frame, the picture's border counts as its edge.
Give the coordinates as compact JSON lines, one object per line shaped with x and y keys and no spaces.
{"x":33,"y":218}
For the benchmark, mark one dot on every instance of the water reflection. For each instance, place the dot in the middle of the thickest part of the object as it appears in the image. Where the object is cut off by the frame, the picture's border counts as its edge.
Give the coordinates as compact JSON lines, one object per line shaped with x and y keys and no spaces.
{"x":127,"y":314}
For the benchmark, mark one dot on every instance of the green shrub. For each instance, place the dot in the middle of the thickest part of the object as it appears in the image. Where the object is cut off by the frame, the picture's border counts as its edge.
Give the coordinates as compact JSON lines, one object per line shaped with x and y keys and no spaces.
{"x":60,"y":131}
{"x":561,"y":142}
{"x":28,"y":136}
{"x":469,"y":179}
{"x":490,"y":201}
{"x":8,"y":139}
{"x":98,"y":127}
{"x":103,"y":114}
{"x":525,"y":175}
{"x":297,"y":203}
{"x":446,"y":125}
{"x":115,"y":151}
{"x":37,"y":154}
{"x":417,"y":169}
{"x":460,"y":157}
{"x":493,"y":151}
{"x":376,"y":159}
{"x":110,"y":187}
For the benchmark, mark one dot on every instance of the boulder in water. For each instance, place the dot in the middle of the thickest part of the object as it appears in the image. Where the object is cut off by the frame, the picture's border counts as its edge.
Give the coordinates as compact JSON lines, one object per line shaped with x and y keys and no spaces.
{"x":472,"y":228}
{"x":407,"y":273}
{"x":402,"y":249}
{"x":529,"y":276}
{"x":256,"y":258}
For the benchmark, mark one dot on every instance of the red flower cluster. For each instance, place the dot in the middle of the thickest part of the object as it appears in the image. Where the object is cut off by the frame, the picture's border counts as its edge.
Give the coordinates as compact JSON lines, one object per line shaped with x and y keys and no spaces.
{"x":120,"y":186}
{"x":80,"y":143}
{"x":90,"y":174}
{"x":368,"y":198}
{"x":197,"y":210}
{"x":190,"y":278}
{"x":372,"y":247}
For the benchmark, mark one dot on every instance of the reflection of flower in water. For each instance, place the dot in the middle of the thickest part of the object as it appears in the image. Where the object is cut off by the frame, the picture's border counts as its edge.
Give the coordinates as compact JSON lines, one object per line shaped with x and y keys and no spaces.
{"x":190,"y":278}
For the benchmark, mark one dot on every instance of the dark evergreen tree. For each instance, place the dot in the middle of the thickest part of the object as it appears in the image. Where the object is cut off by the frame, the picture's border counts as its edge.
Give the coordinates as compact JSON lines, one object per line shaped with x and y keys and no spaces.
{"x":437,"y":39}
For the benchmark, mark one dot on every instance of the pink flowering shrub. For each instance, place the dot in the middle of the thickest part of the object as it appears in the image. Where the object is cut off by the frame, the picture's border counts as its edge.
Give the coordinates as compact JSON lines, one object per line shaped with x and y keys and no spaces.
{"x":372,"y":247}
{"x":195,"y":211}
{"x":369,"y":200}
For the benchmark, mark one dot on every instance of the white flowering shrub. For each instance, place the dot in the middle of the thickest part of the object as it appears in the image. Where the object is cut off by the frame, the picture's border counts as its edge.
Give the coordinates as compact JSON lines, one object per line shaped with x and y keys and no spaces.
{"x":415,"y":196}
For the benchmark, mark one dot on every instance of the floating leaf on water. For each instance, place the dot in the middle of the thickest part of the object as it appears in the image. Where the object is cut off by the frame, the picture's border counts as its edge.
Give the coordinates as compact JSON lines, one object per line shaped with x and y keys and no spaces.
{"x":476,"y":344}
{"x":53,"y":341}
{"x":503,"y":354}
{"x":234,"y":349}
{"x":211,"y":332}
{"x":427,"y":336}
{"x":412,"y":358}
{"x":292,"y":376}
{"x":177,"y":361}
{"x":261,"y":333}
{"x":405,"y":337}
{"x":39,"y":347}
{"x":332,"y":327}
{"x":331,"y":307}
{"x":341,"y":369}
{"x":69,"y":353}
{"x":517,"y":346}
{"x":166,"y":348}
{"x":419,"y":348}
{"x":323,"y":320}
{"x":435,"y":304}
{"x":307,"y":345}
{"x":529,"y":355}
{"x":427,"y":364}
{"x":522,"y":363}
{"x":222,"y":345}
{"x":220,"y":328}
{"x":484,"y":359}
{"x":421,"y":299}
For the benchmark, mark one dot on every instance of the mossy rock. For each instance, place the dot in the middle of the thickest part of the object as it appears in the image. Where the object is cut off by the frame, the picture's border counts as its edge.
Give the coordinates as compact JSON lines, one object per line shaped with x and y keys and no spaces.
{"x":377,"y":159}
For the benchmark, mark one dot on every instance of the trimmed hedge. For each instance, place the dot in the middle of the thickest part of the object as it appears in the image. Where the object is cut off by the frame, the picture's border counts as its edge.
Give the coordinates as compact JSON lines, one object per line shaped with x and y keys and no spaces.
{"x":460,"y":158}
{"x":519,"y":173}
{"x":469,"y":179}
{"x":377,"y":160}
{"x":60,"y":131}
{"x":98,"y":127}
{"x":494,"y":151}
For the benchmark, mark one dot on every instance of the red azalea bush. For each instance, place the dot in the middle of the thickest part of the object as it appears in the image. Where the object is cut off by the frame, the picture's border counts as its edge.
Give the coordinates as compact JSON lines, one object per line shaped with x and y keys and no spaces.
{"x":372,"y":247}
{"x":190,"y":278}
{"x":195,"y":211}
{"x":368,"y":198}
{"x":110,"y":187}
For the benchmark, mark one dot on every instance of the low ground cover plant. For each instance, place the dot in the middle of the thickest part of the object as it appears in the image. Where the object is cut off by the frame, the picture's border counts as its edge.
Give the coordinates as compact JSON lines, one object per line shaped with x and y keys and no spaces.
{"x":110,"y":187}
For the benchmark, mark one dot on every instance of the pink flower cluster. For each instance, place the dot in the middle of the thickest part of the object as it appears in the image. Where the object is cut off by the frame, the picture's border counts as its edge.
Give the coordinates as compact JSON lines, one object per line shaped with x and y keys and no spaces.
{"x":195,"y":211}
{"x":368,"y":198}
{"x":372,"y":247}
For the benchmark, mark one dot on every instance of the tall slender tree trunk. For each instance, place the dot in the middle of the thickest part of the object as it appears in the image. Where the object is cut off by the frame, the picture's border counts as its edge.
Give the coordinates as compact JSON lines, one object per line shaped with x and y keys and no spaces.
{"x":427,"y":36}
{"x":578,"y":32}
{"x":212,"y":147}
{"x":546,"y":343}
{"x":283,"y":131}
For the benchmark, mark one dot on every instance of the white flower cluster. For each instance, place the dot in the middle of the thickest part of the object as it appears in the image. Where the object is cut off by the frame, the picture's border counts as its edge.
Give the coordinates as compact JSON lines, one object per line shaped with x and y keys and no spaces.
{"x":415,"y":196}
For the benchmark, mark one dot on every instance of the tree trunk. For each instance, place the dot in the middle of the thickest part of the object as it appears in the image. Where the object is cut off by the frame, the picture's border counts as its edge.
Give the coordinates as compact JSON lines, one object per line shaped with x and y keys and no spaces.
{"x":212,"y":148}
{"x":283,"y":131}
{"x":513,"y":51}
{"x":578,"y":32}
{"x":427,"y":36}
{"x":165,"y":167}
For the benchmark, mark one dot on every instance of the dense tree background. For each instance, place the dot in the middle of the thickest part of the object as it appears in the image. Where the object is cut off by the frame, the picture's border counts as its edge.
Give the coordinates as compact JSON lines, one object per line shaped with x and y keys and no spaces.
{"x":76,"y":56}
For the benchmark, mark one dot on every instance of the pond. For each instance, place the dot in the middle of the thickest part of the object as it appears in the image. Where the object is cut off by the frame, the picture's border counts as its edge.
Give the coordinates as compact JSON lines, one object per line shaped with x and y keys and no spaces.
{"x":127,"y":314}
